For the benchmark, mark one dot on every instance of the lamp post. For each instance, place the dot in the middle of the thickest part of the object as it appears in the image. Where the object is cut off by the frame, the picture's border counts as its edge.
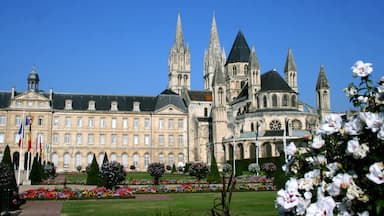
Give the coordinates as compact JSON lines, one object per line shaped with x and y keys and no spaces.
{"x":234,"y":153}
{"x":257,"y":146}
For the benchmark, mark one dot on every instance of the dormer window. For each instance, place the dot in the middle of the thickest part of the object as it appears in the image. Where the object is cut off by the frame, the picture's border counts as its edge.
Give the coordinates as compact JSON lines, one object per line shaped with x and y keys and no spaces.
{"x":91,"y":105}
{"x":136,"y":106}
{"x":114,"y":106}
{"x":68,"y":104}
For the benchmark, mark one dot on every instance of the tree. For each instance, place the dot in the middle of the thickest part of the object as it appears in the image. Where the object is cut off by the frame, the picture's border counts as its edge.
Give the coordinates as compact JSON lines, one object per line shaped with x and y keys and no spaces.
{"x":7,"y":161}
{"x":105,"y":159}
{"x":36,"y":172}
{"x":93,"y":177}
{"x":156,"y":170}
{"x":199,"y":170}
{"x":112,"y":173}
{"x":173,"y":168}
{"x":214,"y":175}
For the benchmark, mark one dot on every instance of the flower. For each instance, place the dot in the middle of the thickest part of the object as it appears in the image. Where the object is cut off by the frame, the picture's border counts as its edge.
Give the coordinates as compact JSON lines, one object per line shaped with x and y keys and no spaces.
{"x":333,"y":168}
{"x":351,"y":90}
{"x":353,"y":126}
{"x":362,"y":99}
{"x":331,"y":124}
{"x":317,"y":142}
{"x":373,"y":120}
{"x":288,"y":198}
{"x":358,"y":151}
{"x":291,"y":149}
{"x":340,"y":181}
{"x":323,"y":206}
{"x":361,"y":69}
{"x":376,"y":173}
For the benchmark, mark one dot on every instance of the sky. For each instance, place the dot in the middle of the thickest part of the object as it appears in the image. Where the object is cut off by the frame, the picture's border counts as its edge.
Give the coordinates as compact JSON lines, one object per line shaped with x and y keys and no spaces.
{"x":121,"y":47}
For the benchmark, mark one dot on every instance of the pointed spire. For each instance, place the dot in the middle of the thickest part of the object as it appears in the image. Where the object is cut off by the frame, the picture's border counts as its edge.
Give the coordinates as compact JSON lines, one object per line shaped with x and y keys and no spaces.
{"x":322,"y":81}
{"x":214,"y":42}
{"x":179,"y":39}
{"x":253,"y":61}
{"x":218,"y":78}
{"x":240,"y":50}
{"x":290,"y":64}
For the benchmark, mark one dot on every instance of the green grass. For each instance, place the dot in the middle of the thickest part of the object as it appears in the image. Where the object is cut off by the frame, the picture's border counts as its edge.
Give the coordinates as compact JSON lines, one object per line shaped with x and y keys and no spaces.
{"x":186,"y":204}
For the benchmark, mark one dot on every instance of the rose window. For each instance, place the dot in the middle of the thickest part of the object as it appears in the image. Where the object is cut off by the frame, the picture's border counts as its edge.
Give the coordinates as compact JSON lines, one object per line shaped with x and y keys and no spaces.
{"x":275,"y":125}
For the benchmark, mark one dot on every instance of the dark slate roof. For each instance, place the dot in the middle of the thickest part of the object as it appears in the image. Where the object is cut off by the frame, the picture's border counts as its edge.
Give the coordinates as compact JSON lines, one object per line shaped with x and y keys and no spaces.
{"x":169,"y":98}
{"x":200,"y":95}
{"x":103,"y":102}
{"x":244,"y":92}
{"x":240,"y":50}
{"x":272,"y":81}
{"x":168,"y":92}
{"x":269,"y":133}
{"x":5,"y":99}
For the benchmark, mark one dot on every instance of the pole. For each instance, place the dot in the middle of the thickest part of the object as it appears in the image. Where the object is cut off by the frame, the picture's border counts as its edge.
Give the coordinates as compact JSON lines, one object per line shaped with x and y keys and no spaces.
{"x":234,"y":154}
{"x":20,"y":155}
{"x":257,"y":146}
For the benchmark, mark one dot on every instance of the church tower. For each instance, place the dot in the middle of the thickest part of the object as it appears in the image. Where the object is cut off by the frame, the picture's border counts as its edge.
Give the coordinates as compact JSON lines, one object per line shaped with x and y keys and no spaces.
{"x":179,"y":67}
{"x":290,"y":71}
{"x":323,"y":94}
{"x":219,"y":112}
{"x":33,"y":80}
{"x":213,"y":55}
{"x":254,"y":83}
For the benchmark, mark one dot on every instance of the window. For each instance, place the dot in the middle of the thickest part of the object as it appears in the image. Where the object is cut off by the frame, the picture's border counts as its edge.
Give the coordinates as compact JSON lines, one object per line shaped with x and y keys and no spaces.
{"x":113,"y":157}
{"x":79,"y":122}
{"x":170,"y":140}
{"x":285,"y":100}
{"x":146,"y":140}
{"x":78,"y":159}
{"x":55,"y":138}
{"x":68,"y":104}
{"x":180,"y":158}
{"x":67,"y":160}
{"x":125,"y":123}
{"x":67,"y":138}
{"x":136,"y":160}
{"x":234,"y":70}
{"x":274,"y":100}
{"x":67,"y":122}
{"x":170,"y":123}
{"x":293,"y":101}
{"x":125,"y":139}
{"x":17,"y":120}
{"x":205,"y":112}
{"x":221,"y":97}
{"x":91,"y":105}
{"x":181,"y":140}
{"x":135,"y":139}
{"x":102,"y":122}
{"x":113,"y":123}
{"x":79,"y":139}
{"x":161,"y":158}
{"x":2,"y":138}
{"x":89,"y":158}
{"x":40,"y":121}
{"x":146,"y":160}
{"x":161,"y":123}
{"x":296,"y":124}
{"x":114,"y":106}
{"x":171,"y":159}
{"x":101,"y":159}
{"x":124,"y":158}
{"x":146,"y":123}
{"x":246,"y":69}
{"x":91,"y":122}
{"x":265,"y":104}
{"x":113,"y":139}
{"x":102,"y":139}
{"x":136,"y":123}
{"x":161,"y":139}
{"x":2,"y":120}
{"x":275,"y":125}
{"x":91,"y":139}
{"x":56,"y":121}
{"x":180,"y":123}
{"x":55,"y":159}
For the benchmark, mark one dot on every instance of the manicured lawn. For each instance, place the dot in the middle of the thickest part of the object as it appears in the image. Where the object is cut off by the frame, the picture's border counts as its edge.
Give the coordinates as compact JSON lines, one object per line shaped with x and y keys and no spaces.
{"x":186,"y":204}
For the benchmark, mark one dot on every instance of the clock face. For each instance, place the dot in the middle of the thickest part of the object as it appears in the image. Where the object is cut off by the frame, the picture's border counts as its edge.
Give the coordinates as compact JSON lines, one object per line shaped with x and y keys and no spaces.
{"x":275,"y":125}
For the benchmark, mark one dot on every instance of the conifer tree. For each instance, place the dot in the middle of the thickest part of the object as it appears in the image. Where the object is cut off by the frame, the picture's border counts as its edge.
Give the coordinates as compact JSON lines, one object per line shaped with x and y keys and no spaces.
{"x":7,"y":161}
{"x":105,"y":159}
{"x":36,"y":171}
{"x":93,"y":173}
{"x":214,"y":175}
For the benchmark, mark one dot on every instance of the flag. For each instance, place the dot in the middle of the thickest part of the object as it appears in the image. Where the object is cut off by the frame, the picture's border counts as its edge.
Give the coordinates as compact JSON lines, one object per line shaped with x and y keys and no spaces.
{"x":20,"y":135}
{"x":28,"y":121}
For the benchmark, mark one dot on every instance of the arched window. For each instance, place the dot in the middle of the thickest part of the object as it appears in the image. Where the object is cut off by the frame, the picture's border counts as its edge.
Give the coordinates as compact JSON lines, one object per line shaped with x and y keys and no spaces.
{"x":185,"y":79}
{"x":67,"y":160}
{"x":101,"y":159}
{"x":55,"y":159}
{"x":113,"y":157}
{"x":146,"y":160}
{"x":234,"y":70}
{"x":161,"y":158}
{"x":293,"y":101}
{"x":285,"y":100}
{"x":179,"y":80}
{"x":246,"y":69}
{"x":274,"y":100}
{"x":89,"y":158}
{"x":205,"y":112}
{"x":265,"y":104}
{"x":136,"y":160}
{"x":252,"y":127}
{"x":180,"y":159}
{"x":77,"y":160}
{"x":221,"y":94}
{"x":124,"y":159}
{"x":242,"y":84}
{"x":171,"y":159}
{"x":257,"y":102}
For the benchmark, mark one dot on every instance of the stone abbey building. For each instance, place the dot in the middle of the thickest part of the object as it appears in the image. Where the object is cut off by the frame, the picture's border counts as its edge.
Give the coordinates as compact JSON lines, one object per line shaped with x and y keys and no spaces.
{"x":238,"y":105}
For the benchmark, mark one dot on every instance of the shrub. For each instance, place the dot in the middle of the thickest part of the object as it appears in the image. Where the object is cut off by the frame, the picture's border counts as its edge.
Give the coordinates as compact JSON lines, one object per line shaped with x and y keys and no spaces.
{"x":49,"y":170}
{"x":132,"y":167}
{"x":112,"y":173}
{"x":93,"y":177}
{"x":173,"y":168}
{"x":168,"y":167}
{"x":36,"y":174}
{"x":254,"y":168}
{"x":7,"y":161}
{"x":186,"y":167}
{"x":214,"y":175}
{"x":199,"y":170}
{"x":156,"y":170}
{"x":78,"y":168}
{"x":227,"y":168}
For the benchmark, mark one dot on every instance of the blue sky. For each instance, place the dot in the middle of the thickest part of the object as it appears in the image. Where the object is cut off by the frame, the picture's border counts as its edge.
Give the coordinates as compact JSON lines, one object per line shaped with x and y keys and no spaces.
{"x":121,"y":47}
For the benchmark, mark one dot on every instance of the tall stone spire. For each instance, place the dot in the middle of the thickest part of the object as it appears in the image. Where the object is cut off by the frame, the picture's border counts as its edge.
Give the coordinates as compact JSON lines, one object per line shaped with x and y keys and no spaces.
{"x":254,"y":83}
{"x":179,"y":67}
{"x":213,"y":56}
{"x":179,"y":39}
{"x":322,"y":81}
{"x":290,"y":71}
{"x":323,"y":98}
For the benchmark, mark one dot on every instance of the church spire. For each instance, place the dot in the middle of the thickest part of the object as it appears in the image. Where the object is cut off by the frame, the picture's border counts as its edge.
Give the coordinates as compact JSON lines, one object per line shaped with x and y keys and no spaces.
{"x":214,"y":42}
{"x":179,"y":39}
{"x":322,"y":81}
{"x":290,"y":71}
{"x":323,"y":94}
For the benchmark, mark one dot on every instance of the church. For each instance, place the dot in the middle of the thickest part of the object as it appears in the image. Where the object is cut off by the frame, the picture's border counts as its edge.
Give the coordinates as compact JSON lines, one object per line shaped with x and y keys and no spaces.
{"x":241,"y":113}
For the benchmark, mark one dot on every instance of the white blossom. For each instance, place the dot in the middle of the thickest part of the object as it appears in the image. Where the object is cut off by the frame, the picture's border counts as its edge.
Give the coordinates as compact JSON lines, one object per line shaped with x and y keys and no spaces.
{"x":376,"y":173}
{"x":362,"y":99}
{"x":317,"y":142}
{"x":340,"y":181}
{"x":288,"y":198}
{"x":374,"y":121}
{"x":291,"y":149}
{"x":351,"y":90}
{"x":333,"y":168}
{"x":331,"y":124}
{"x":358,"y":151}
{"x":380,"y":134}
{"x":361,"y":69}
{"x":353,"y":126}
{"x":355,"y":192}
{"x":323,"y":206}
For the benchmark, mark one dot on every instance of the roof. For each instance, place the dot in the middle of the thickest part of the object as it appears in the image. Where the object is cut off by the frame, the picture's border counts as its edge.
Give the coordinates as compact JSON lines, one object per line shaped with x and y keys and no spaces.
{"x":322,"y":81}
{"x":167,"y":99}
{"x":272,"y":81}
{"x":200,"y":95}
{"x":240,"y":50}
{"x":5,"y":99}
{"x":290,"y":64}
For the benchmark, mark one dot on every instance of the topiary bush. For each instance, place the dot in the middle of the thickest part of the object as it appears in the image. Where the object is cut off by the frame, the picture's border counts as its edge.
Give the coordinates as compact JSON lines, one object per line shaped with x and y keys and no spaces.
{"x":254,"y":168}
{"x":214,"y":175}
{"x":156,"y":170}
{"x":93,"y":177}
{"x":199,"y":170}
{"x":112,"y":173}
{"x":36,"y":174}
